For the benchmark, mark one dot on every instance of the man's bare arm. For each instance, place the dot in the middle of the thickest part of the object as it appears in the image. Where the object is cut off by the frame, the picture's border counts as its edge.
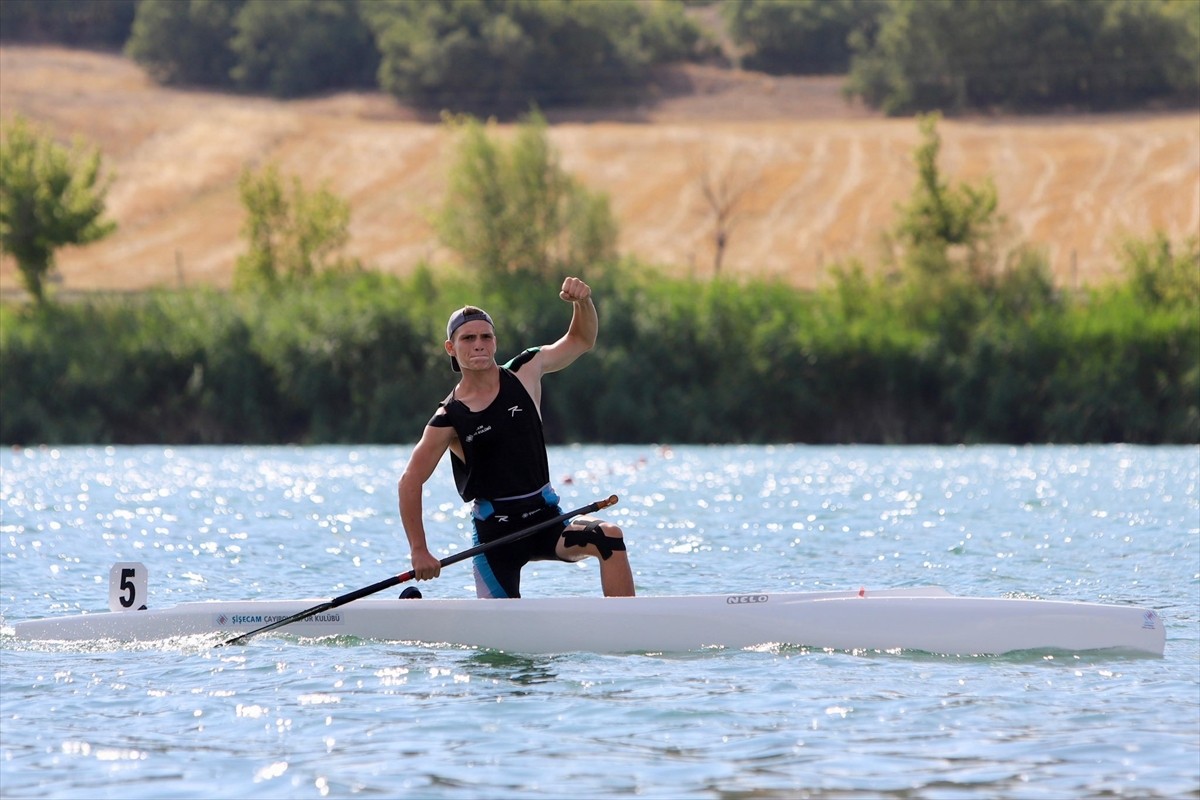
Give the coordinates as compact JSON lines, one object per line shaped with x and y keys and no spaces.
{"x":581,"y":334}
{"x":421,"y":464}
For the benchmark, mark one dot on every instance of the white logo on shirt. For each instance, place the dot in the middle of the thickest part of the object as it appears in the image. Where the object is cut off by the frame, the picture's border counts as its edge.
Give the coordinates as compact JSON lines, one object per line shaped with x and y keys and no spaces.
{"x":512,"y":411}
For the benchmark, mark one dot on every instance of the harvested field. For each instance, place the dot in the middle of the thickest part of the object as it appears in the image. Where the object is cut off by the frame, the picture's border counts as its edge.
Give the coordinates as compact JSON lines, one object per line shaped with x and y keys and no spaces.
{"x":819,"y":179}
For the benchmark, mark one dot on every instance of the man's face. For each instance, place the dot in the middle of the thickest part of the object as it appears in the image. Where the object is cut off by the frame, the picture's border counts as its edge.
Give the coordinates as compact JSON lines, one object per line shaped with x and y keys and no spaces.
{"x":474,"y":345}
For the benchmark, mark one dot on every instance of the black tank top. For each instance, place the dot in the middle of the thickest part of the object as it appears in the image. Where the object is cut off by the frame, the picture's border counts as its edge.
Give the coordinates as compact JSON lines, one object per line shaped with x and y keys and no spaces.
{"x":504,"y":446}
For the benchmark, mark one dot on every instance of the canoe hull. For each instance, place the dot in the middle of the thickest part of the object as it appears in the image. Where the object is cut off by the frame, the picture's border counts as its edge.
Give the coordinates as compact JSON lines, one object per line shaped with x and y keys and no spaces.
{"x":923,"y":619}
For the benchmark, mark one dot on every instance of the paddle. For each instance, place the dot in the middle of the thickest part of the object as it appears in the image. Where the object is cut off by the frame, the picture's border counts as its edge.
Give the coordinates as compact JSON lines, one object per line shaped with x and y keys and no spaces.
{"x":387,"y":583}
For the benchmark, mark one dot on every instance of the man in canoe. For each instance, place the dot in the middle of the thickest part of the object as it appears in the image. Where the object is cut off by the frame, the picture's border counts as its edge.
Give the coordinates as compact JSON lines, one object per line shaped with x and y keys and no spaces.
{"x":492,"y":425}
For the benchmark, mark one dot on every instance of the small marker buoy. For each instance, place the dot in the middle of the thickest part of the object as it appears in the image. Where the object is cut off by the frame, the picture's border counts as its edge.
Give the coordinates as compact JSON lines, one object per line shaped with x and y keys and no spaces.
{"x":862,"y":591}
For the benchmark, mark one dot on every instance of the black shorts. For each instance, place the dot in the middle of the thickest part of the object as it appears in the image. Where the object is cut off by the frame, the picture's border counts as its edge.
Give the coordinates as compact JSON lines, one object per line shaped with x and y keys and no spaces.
{"x":498,"y":571}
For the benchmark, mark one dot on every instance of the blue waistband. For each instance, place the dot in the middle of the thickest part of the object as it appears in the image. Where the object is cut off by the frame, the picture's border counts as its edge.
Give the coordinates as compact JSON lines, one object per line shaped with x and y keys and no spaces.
{"x":482,"y":509}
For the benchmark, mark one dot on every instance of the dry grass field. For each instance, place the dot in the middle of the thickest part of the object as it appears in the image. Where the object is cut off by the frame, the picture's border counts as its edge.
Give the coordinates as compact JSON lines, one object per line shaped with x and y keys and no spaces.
{"x":819,"y":179}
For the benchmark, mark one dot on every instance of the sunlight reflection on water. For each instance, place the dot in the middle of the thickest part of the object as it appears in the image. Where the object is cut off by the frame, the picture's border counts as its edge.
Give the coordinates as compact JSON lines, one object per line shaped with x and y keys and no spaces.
{"x":287,"y":717}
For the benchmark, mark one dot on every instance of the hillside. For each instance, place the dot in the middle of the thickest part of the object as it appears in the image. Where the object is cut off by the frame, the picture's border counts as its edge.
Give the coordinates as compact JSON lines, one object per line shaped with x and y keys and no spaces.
{"x":821,"y":177}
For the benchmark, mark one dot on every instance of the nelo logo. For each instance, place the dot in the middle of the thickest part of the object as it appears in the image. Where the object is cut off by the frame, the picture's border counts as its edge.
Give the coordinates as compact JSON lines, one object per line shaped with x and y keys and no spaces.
{"x":741,"y":599}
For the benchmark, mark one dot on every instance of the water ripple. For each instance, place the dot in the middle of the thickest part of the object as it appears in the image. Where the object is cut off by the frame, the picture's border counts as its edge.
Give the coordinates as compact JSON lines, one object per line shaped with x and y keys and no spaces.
{"x":288,"y":718}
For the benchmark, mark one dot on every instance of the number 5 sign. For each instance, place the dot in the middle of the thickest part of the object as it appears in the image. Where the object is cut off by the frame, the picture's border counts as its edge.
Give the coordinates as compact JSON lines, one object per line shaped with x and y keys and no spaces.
{"x":127,"y":586}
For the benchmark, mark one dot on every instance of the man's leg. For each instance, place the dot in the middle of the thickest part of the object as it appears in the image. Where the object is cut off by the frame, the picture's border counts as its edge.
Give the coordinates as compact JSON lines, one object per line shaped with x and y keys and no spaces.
{"x":603,"y":540}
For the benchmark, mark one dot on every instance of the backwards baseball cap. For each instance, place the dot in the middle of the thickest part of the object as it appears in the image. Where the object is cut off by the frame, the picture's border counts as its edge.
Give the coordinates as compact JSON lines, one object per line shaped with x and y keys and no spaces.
{"x":462,"y":317}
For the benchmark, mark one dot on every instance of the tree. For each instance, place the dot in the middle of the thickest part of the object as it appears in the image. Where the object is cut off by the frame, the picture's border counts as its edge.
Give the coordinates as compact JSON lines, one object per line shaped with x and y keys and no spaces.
{"x":514,"y":211}
{"x":185,"y":42}
{"x":955,"y":55}
{"x":50,"y":196}
{"x":291,"y":232}
{"x":1162,"y":273}
{"x":940,"y":219}
{"x":497,"y":57}
{"x":951,"y":272}
{"x":723,"y":190}
{"x":302,"y":47}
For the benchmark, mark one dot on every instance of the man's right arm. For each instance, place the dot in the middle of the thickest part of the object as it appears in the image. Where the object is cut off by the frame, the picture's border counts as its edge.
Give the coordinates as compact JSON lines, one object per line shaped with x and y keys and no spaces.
{"x":421,"y":464}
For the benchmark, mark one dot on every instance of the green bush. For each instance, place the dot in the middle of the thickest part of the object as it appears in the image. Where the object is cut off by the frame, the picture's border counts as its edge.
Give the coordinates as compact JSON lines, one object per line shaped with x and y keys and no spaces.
{"x":357,"y":357}
{"x":1161,"y":273}
{"x":1129,"y":374}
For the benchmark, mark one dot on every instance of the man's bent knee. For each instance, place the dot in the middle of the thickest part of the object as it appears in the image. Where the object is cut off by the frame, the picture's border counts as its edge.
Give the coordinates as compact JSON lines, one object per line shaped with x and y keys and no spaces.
{"x":605,"y":537}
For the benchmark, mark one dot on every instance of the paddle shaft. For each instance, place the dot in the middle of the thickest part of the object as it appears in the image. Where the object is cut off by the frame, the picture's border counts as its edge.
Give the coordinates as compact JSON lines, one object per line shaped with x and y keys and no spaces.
{"x":386,"y":583}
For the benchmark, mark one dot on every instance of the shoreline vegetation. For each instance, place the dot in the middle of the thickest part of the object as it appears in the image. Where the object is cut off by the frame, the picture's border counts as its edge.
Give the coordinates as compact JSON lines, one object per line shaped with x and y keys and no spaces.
{"x":951,"y":341}
{"x":355,"y":357}
{"x":955,"y":326}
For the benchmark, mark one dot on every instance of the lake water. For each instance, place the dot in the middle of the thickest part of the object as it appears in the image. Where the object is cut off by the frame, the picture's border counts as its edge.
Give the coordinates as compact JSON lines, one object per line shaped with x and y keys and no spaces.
{"x":285,"y":718}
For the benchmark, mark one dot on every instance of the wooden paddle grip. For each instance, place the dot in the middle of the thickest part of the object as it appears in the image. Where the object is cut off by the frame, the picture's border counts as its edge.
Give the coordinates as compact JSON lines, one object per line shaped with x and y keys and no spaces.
{"x":611,"y":501}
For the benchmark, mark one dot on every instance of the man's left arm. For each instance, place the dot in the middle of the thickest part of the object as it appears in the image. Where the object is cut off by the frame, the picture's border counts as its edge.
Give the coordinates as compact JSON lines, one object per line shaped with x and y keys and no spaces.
{"x":581,"y":334}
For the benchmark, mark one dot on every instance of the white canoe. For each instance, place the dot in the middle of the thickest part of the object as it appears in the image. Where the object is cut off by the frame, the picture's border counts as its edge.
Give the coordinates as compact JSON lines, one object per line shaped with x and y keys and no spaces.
{"x":924,"y":619}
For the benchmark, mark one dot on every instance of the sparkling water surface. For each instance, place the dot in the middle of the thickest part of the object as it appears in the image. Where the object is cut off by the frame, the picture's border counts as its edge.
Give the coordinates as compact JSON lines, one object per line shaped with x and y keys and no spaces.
{"x":290,"y":718}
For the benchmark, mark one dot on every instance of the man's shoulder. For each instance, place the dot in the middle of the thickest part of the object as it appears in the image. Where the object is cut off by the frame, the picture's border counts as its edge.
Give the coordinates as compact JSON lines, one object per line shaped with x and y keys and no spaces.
{"x":521,"y":359}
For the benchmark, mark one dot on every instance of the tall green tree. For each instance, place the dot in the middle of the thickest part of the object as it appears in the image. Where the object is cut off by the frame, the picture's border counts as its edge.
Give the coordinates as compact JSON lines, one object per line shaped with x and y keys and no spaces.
{"x":948,"y":271}
{"x":291,"y":232}
{"x":940,"y":218}
{"x":50,"y":196}
{"x":511,"y":210}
